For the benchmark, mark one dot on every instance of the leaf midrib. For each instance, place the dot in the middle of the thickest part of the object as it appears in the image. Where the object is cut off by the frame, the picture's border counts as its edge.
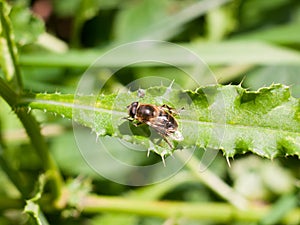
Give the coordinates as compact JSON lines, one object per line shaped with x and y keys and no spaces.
{"x":123,"y":113}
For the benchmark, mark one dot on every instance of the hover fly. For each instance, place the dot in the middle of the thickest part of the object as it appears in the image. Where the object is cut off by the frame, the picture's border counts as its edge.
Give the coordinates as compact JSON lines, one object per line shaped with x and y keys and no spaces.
{"x":160,"y":118}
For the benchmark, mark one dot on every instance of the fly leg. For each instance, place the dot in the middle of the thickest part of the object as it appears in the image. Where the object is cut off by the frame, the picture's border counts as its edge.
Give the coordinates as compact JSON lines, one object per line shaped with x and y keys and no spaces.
{"x":134,"y":121}
{"x":163,"y":136}
{"x":168,"y":142}
{"x":172,"y":110}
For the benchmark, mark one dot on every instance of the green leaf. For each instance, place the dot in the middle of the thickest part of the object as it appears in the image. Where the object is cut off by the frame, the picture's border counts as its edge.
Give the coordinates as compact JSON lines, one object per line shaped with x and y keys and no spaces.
{"x":256,"y":13}
{"x":212,"y":53}
{"x":27,"y":27}
{"x":153,"y":20}
{"x":244,"y":52}
{"x":267,"y":75}
{"x":131,"y":22}
{"x":265,"y":122}
{"x":284,"y":34}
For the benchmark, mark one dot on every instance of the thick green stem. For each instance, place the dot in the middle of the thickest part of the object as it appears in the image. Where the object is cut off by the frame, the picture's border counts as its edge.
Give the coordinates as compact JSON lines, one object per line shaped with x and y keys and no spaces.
{"x":217,"y":212}
{"x":14,"y":176}
{"x":33,"y":130}
{"x":15,"y":75}
{"x":11,"y":96}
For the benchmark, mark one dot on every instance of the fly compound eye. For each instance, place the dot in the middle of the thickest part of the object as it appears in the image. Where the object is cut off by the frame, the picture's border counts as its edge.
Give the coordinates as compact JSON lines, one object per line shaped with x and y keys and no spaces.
{"x":132,"y":108}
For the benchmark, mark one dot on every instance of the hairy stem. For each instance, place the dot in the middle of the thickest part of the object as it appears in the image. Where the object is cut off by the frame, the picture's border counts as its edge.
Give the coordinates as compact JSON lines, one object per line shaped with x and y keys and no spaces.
{"x":33,"y":130}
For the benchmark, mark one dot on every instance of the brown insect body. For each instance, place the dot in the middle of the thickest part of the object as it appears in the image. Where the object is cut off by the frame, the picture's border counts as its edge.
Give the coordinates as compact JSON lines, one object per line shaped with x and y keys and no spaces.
{"x":160,"y":118}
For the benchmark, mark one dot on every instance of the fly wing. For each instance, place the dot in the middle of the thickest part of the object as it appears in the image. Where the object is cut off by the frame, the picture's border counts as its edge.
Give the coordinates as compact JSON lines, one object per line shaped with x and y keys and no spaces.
{"x":177,"y":136}
{"x":160,"y":125}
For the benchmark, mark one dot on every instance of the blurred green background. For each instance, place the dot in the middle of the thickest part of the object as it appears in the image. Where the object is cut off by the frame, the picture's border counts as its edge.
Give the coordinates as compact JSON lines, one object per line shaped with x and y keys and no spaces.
{"x":252,"y":42}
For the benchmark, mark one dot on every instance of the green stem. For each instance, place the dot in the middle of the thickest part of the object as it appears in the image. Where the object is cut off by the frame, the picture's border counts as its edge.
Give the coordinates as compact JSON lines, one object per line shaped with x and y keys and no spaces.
{"x":33,"y":130}
{"x":218,"y":212}
{"x":30,"y":124}
{"x":14,"y":176}
{"x":9,"y":203}
{"x":8,"y":34}
{"x":212,"y":181}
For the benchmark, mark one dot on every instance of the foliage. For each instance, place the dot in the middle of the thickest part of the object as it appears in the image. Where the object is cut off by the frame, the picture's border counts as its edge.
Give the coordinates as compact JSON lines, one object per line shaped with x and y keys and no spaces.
{"x":265,"y":122}
{"x":253,"y":113}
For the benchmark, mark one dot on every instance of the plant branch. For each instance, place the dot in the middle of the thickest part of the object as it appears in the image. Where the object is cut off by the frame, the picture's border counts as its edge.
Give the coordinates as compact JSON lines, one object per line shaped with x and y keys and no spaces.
{"x":30,"y":124}
{"x":13,"y":74}
{"x":13,"y":175}
{"x":33,"y":130}
{"x":212,"y":181}
{"x":217,"y":212}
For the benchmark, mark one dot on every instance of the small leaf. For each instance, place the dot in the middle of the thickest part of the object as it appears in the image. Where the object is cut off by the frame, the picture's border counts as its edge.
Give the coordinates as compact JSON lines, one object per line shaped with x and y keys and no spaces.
{"x":27,"y":27}
{"x":32,"y":208}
